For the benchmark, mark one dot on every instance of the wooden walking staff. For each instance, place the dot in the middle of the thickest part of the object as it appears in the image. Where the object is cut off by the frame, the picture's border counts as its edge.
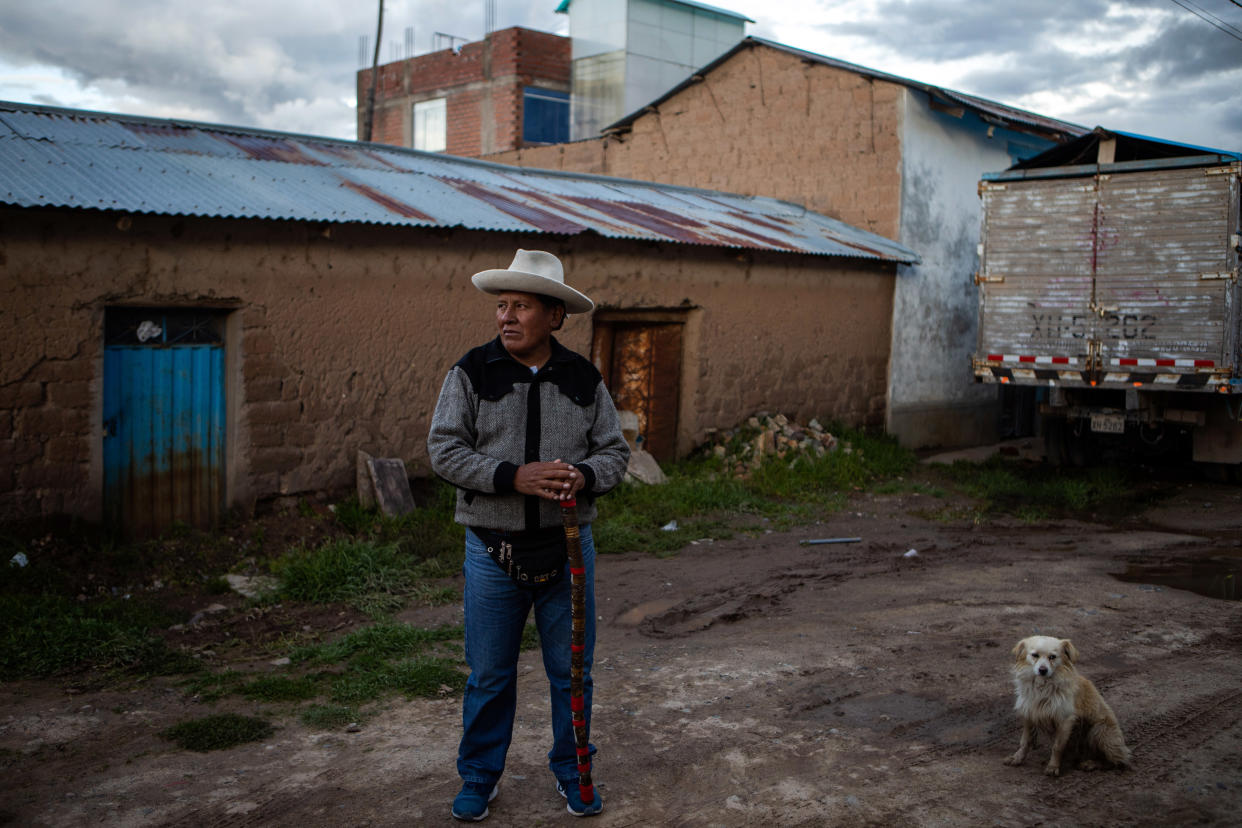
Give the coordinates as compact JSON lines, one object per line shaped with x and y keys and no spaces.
{"x":577,"y":646}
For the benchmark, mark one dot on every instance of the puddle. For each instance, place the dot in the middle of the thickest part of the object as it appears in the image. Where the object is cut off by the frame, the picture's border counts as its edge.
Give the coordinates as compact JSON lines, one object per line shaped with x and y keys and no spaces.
{"x":1214,"y":577}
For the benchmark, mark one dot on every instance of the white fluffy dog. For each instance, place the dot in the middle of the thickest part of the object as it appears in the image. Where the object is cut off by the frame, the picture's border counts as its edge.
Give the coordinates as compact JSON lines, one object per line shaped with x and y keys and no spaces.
{"x":1052,"y":697}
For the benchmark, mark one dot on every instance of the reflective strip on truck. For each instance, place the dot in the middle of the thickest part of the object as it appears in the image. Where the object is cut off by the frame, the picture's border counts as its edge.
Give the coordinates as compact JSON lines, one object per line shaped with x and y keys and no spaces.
{"x":1166,"y":363}
{"x":1038,"y":360}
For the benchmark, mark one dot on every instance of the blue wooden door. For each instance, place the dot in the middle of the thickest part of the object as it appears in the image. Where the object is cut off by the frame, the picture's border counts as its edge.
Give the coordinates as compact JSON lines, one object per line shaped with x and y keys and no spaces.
{"x":163,"y":431}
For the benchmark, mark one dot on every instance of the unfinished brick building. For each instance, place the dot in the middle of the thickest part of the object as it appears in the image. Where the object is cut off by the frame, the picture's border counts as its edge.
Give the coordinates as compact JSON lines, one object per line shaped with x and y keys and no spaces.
{"x":509,"y":90}
{"x":894,"y":156}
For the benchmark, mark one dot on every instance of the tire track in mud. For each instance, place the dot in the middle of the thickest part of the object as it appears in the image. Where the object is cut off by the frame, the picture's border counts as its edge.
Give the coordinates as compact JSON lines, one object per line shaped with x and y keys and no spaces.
{"x":338,"y":806}
{"x":1138,"y":730}
{"x":1162,"y":744}
{"x":763,"y":597}
{"x":986,"y":726}
{"x":1157,"y":739}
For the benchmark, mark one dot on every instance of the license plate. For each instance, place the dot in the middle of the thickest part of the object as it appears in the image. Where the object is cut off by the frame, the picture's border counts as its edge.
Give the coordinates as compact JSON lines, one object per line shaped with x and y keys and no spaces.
{"x":1108,"y":423}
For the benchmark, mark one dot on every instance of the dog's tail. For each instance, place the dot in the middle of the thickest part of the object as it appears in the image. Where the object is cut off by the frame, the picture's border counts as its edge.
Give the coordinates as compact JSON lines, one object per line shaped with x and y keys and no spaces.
{"x":1107,"y":740}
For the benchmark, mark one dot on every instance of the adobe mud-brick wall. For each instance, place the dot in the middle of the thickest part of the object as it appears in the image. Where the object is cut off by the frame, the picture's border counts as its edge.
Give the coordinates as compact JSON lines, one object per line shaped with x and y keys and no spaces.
{"x":763,"y":123}
{"x":338,"y":342}
{"x":482,"y":84}
{"x":45,"y":403}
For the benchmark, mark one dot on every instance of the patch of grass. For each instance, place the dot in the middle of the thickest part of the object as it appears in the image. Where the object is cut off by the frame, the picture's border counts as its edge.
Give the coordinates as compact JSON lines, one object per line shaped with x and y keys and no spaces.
{"x":900,"y":485}
{"x":218,"y":585}
{"x":428,"y":534}
{"x":383,"y":640}
{"x":1034,"y":493}
{"x":385,"y":562}
{"x":366,"y":679}
{"x":373,"y":578}
{"x":47,"y":635}
{"x":530,"y":638}
{"x":949,"y":514}
{"x":330,"y":716}
{"x":218,"y":732}
{"x":354,"y":518}
{"x":435,"y":596}
{"x":281,"y":688}
{"x":364,"y":665}
{"x":389,"y":657}
{"x":427,"y":677}
{"x":211,"y":687}
{"x":707,"y":501}
{"x":341,"y":570}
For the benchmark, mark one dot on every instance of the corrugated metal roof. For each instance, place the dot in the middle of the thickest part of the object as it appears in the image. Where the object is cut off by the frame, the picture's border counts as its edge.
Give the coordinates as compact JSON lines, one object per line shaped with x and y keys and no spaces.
{"x":1130,"y":152}
{"x":51,"y":157}
{"x":991,"y":111}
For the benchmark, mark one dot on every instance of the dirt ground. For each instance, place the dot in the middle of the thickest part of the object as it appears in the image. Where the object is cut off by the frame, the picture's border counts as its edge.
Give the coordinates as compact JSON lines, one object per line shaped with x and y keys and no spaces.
{"x":754,"y":681}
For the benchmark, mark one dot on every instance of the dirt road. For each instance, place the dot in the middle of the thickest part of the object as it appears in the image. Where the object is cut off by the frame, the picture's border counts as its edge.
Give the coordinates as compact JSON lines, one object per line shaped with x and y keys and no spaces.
{"x":754,"y":681}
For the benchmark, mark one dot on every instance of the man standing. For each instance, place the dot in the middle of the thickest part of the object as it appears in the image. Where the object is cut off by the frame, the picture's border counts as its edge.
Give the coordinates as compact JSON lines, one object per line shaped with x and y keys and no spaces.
{"x":523,"y":423}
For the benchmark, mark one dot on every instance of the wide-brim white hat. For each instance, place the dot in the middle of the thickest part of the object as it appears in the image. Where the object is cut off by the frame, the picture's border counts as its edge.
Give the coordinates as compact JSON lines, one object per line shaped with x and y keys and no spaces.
{"x":534,"y":271}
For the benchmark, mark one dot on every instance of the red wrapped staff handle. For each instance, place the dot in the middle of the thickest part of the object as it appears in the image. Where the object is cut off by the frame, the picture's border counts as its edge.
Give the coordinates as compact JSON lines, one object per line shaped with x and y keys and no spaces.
{"x":577,"y":646}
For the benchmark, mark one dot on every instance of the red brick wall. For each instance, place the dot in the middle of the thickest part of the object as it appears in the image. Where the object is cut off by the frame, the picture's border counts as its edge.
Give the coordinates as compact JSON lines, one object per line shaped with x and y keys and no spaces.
{"x":482,"y":83}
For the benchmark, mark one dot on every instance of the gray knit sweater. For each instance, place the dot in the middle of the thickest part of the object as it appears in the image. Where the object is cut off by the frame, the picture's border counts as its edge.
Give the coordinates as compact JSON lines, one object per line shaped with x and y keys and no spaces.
{"x":494,"y":415}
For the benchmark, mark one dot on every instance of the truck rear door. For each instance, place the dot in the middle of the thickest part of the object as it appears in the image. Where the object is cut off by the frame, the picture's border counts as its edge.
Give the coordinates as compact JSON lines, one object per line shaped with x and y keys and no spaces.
{"x":1165,"y":272}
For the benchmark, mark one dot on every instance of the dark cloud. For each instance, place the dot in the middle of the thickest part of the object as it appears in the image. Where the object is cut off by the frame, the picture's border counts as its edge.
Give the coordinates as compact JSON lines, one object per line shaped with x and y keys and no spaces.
{"x":291,"y":64}
{"x":1158,"y":57}
{"x":276,"y":63}
{"x":1186,"y":50}
{"x":953,"y":29}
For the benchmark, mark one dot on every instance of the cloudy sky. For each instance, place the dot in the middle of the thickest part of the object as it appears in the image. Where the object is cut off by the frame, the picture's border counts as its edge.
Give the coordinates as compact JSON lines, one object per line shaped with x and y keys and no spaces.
{"x":1167,"y":68}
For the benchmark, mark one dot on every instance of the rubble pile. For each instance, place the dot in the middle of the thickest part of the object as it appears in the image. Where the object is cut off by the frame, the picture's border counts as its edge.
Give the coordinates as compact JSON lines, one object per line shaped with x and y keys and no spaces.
{"x":763,"y":438}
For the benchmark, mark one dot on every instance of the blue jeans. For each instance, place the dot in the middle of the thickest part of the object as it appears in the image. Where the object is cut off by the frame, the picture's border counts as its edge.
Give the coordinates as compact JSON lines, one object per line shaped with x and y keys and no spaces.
{"x":496,"y":610}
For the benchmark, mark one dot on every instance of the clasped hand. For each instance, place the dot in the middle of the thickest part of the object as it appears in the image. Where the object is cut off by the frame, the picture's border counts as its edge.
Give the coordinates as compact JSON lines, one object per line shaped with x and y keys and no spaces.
{"x":553,"y":480}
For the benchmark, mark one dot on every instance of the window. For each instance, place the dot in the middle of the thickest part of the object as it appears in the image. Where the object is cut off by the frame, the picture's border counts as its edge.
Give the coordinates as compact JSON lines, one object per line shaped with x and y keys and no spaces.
{"x":545,"y":116}
{"x":431,"y":125}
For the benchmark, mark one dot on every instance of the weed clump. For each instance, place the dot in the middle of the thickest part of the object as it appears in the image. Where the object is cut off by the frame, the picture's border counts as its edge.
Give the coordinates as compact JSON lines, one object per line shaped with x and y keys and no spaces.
{"x":368,"y":575}
{"x":281,"y":689}
{"x":218,"y":732}
{"x":47,"y":635}
{"x":330,"y":716}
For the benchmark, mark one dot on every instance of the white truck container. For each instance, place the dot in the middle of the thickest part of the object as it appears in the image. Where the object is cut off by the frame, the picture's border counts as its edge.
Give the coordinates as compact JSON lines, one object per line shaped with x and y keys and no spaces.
{"x":1109,"y":278}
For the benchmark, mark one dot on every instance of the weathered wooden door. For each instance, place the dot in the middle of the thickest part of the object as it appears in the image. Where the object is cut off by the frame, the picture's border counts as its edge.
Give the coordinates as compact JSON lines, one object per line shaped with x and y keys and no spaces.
{"x":641,"y":364}
{"x":164,"y":414}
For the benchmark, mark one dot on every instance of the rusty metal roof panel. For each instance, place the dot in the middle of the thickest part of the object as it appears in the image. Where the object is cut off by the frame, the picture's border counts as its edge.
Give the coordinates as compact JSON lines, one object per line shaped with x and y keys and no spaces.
{"x":86,"y":160}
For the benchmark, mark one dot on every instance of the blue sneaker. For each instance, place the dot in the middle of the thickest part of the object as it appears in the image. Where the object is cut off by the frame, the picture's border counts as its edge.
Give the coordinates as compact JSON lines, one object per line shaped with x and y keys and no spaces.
{"x":568,"y":788}
{"x":471,"y":804}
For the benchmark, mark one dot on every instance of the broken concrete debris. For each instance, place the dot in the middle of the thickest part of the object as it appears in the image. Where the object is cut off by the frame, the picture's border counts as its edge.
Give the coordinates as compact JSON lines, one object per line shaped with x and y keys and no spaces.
{"x":743,"y":449}
{"x":763,"y":437}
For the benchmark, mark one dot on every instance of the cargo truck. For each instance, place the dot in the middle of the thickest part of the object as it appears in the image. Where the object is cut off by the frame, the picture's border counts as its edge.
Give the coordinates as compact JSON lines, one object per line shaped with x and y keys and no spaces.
{"x":1108,"y":286}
